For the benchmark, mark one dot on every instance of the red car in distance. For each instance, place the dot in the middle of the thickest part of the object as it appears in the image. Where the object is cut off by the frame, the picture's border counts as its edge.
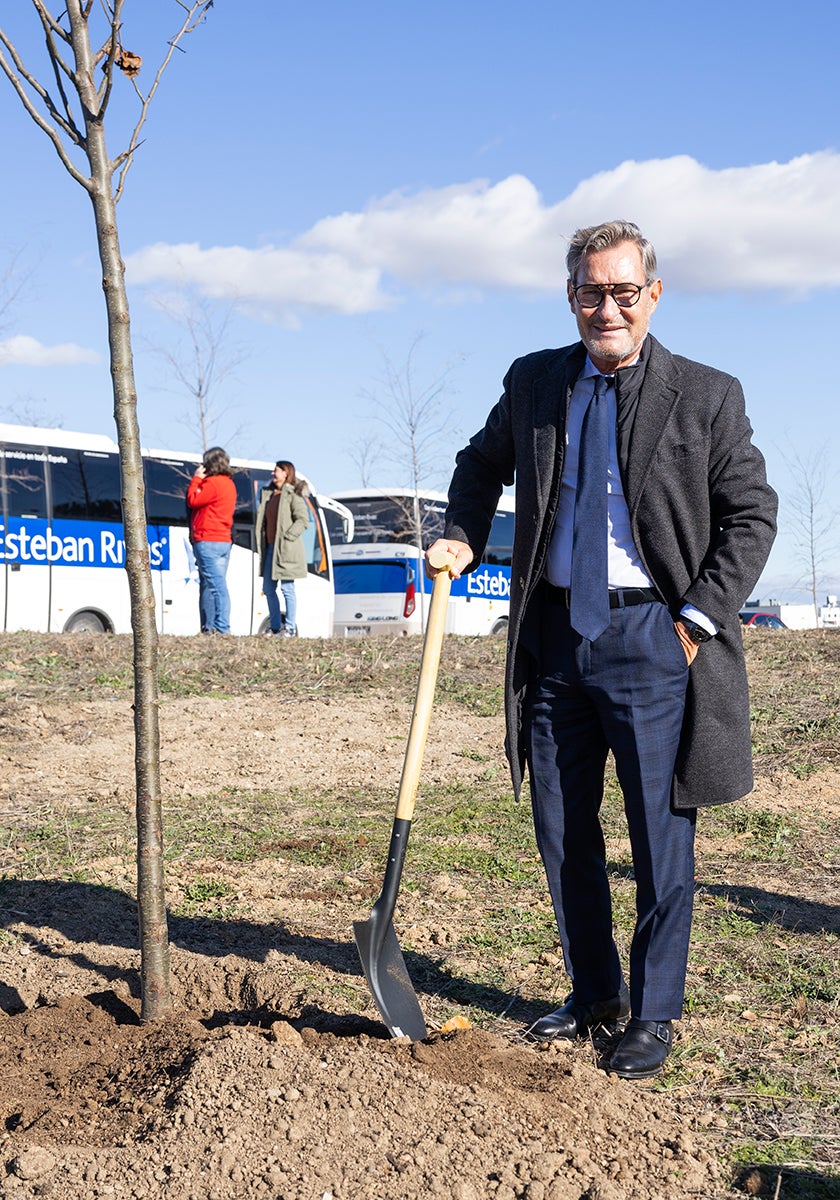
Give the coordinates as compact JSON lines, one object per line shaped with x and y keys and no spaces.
{"x":761,"y":620}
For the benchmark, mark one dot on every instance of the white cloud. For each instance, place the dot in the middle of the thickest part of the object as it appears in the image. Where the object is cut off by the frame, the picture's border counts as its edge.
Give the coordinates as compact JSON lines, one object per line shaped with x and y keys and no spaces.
{"x":24,"y":351}
{"x":768,"y":226}
{"x":273,"y":280}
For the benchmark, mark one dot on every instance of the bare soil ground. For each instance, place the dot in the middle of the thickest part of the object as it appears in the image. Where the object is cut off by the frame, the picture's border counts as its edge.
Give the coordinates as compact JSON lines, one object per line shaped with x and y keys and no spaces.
{"x":274,"y":1076}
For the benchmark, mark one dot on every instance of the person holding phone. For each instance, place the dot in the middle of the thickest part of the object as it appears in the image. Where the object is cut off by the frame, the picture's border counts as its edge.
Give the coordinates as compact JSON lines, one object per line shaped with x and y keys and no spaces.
{"x":211,"y":498}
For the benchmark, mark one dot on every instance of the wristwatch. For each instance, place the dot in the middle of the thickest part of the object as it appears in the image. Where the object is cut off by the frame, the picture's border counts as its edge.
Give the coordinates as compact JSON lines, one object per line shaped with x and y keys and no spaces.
{"x":696,"y":633}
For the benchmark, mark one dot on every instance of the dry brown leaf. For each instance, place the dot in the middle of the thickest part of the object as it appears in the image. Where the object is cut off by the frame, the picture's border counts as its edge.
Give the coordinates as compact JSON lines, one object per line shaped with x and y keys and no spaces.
{"x":753,"y":1184}
{"x":129,"y":63}
{"x":455,"y":1023}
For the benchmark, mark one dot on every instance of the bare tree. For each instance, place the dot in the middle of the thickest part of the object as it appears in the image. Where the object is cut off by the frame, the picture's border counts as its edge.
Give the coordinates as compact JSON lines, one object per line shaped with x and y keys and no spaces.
{"x":29,"y":410}
{"x":417,"y":436}
{"x":12,"y":281}
{"x":201,"y":361}
{"x":365,"y":453}
{"x":812,"y":522}
{"x":417,"y":429}
{"x":73,"y":116}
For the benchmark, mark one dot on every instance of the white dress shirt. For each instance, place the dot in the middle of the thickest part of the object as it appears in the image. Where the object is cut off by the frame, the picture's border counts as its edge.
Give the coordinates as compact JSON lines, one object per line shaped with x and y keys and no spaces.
{"x":624,"y":566}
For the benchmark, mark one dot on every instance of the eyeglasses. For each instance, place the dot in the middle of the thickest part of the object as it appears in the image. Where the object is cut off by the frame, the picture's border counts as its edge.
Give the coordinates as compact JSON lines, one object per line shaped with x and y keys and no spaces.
{"x":590,"y":295}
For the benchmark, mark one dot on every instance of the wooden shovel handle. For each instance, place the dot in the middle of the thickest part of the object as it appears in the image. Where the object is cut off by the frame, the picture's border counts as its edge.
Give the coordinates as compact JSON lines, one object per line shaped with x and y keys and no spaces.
{"x":421,"y":716}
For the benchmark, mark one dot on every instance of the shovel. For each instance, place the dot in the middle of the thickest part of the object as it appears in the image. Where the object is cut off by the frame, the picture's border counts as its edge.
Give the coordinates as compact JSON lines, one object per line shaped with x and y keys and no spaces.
{"x":376,"y":941}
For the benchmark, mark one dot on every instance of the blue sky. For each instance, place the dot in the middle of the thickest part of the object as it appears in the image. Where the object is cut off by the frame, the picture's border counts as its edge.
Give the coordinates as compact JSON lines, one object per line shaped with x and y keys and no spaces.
{"x":345,"y":179}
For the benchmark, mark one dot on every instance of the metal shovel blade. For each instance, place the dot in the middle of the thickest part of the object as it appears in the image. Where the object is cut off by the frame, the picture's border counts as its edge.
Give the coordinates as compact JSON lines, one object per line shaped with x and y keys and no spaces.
{"x":387,"y":978}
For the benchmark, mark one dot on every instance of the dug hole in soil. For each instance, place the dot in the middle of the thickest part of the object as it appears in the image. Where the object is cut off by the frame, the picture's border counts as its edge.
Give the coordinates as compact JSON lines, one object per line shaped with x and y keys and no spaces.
{"x":258,"y":1086}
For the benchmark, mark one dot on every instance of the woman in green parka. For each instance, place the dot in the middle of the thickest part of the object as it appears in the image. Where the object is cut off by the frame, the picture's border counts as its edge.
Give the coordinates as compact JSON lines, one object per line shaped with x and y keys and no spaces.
{"x":282,"y":517}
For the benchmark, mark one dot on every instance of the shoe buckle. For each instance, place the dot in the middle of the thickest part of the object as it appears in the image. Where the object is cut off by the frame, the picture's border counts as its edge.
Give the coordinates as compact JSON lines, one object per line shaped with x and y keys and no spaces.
{"x":662,"y":1032}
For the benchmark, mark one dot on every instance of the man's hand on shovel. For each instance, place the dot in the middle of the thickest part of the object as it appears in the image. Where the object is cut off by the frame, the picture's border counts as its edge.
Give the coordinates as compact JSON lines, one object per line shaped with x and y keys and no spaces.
{"x":447,"y":553}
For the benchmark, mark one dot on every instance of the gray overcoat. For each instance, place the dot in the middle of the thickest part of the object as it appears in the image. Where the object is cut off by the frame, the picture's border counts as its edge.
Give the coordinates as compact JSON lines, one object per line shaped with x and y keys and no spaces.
{"x":703,"y":521}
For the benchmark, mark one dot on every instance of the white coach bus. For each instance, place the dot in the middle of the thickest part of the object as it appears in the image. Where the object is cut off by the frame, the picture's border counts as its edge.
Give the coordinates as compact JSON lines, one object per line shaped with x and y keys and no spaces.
{"x":62,"y":552}
{"x":380,"y":584}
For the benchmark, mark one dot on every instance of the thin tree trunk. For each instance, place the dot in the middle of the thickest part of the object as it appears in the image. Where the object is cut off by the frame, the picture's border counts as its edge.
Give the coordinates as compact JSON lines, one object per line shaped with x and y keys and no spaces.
{"x":154,"y":944}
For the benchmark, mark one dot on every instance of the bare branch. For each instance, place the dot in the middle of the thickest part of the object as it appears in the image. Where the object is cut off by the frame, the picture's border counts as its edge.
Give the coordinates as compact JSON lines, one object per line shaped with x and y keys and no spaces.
{"x":112,"y":49}
{"x":58,"y":63}
{"x":418,"y":428}
{"x":201,"y":362}
{"x":12,"y":282}
{"x":809,"y":516}
{"x":195,"y":14}
{"x":49,"y":22}
{"x":39,"y":120}
{"x":69,"y":127}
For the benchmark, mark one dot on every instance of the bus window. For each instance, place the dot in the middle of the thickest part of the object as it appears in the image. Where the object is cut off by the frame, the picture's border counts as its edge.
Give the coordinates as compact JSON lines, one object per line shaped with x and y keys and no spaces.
{"x":381,"y":575}
{"x":25,"y":544}
{"x":166,"y":491}
{"x":314,"y":543}
{"x":24,"y":494}
{"x":243,"y":516}
{"x":86,"y":486}
{"x":335,"y":527}
{"x":500,"y":543}
{"x":392,"y":519}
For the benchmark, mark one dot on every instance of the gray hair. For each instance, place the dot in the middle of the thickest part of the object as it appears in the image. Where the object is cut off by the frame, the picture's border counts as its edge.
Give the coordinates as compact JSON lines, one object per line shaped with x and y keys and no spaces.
{"x":216,"y":461}
{"x":603,"y":237}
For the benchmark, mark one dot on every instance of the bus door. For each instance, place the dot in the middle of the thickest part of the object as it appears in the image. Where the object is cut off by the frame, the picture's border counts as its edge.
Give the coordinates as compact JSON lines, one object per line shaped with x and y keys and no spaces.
{"x":24,"y":539}
{"x":243,"y":577}
{"x":174,"y":573}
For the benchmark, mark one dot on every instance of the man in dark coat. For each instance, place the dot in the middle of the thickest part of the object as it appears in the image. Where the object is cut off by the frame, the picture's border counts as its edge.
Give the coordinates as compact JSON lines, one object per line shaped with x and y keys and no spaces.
{"x":626,"y":638}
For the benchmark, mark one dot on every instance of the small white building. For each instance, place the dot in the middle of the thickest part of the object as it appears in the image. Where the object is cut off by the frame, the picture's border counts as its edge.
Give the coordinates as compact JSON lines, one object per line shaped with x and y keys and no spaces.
{"x":798,"y":616}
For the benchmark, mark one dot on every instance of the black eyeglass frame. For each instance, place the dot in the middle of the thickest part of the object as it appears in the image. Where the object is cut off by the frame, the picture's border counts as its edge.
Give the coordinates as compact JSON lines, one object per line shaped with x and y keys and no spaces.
{"x":608,"y":289}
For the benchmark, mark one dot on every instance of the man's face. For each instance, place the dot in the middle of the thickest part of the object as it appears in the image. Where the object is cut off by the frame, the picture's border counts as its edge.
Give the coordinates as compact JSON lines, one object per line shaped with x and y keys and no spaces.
{"x":613,"y":335}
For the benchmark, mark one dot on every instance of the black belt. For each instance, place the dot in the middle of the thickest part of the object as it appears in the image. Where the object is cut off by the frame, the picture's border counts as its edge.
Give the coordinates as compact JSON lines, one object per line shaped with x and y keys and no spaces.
{"x":619,"y":597}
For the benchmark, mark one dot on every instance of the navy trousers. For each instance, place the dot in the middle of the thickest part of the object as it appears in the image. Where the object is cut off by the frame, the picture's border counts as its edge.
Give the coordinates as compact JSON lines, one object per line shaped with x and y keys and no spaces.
{"x":623,"y":692}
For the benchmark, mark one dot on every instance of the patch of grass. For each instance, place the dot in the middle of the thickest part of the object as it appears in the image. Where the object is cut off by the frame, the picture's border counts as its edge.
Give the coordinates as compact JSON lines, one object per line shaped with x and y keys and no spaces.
{"x":765,"y":835}
{"x":207,"y":889}
{"x":473,"y":694}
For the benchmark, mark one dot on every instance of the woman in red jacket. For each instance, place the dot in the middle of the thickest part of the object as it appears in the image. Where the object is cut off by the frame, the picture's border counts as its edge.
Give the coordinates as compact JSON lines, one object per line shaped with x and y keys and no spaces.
{"x":211,"y":497}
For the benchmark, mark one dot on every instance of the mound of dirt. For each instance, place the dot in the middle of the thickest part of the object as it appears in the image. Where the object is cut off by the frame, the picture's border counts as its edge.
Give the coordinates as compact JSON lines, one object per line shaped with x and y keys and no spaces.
{"x":97,"y":1105}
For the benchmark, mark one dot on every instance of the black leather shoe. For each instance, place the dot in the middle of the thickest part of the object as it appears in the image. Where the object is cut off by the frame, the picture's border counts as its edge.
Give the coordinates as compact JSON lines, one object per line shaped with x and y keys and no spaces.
{"x":643,"y":1049}
{"x":575,"y":1020}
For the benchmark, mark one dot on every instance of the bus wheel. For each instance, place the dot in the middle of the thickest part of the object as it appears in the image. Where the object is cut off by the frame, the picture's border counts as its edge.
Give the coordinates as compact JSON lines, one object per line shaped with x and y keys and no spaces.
{"x":500,"y":627}
{"x":85,"y":622}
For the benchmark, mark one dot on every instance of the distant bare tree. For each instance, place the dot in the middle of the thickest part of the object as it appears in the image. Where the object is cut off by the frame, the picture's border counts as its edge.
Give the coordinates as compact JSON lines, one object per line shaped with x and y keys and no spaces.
{"x":417,"y":436}
{"x":365,"y":453}
{"x":25,"y":410}
{"x":418,"y":431}
{"x":812,"y":521}
{"x":29,"y":410}
{"x":84,"y":54}
{"x":12,"y":282}
{"x":201,"y":361}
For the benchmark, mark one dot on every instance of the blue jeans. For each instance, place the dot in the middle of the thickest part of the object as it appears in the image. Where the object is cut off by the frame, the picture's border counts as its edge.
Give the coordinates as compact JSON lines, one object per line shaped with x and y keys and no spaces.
{"x":280,"y":622}
{"x":212,"y":559}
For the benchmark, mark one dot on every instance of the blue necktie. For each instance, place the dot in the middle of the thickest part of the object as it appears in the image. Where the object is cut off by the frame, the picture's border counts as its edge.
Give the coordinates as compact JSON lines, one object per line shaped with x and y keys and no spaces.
{"x":589,"y":602}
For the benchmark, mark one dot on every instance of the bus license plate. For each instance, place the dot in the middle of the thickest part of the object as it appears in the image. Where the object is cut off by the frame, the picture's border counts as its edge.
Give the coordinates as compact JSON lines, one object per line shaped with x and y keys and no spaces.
{"x":356,"y":630}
